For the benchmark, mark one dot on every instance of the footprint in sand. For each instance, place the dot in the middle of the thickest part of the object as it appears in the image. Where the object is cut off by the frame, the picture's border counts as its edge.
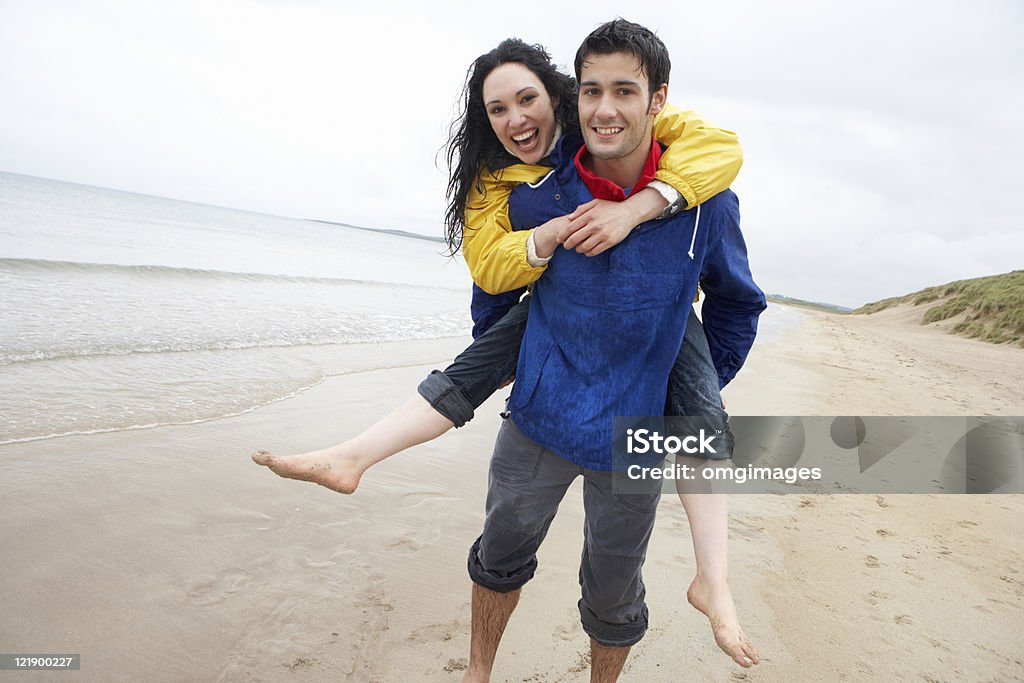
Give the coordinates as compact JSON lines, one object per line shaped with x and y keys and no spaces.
{"x":746,"y":532}
{"x":456,"y":665}
{"x":914,"y":575}
{"x":874,"y":597}
{"x":872,"y":562}
{"x":407,"y":543}
{"x":883,"y":532}
{"x":299,"y":663}
{"x":881,"y":502}
{"x":368,"y":645}
{"x":903,"y":619}
{"x":435,"y":633}
{"x":582,"y":662}
{"x":565,"y":633}
{"x":374,"y":602}
{"x":1018,"y":587}
{"x":219,"y":588}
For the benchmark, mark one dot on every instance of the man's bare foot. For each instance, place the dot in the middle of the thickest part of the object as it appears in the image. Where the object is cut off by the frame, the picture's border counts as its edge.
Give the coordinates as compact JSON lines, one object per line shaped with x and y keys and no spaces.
{"x":334,"y":468}
{"x":714,"y":599}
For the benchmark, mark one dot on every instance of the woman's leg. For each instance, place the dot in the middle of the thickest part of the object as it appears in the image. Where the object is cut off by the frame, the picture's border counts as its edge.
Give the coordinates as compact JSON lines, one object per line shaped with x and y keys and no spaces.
{"x":445,"y":400}
{"x":693,"y":391}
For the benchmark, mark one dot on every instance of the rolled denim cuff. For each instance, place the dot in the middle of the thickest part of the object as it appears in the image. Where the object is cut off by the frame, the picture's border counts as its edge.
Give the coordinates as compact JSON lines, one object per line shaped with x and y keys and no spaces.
{"x":446,"y":398}
{"x":613,"y":635}
{"x":499,"y":582}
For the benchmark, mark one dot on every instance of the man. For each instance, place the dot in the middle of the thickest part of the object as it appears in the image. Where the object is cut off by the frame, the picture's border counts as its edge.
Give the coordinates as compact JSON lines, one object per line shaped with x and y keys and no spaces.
{"x":601,"y":339}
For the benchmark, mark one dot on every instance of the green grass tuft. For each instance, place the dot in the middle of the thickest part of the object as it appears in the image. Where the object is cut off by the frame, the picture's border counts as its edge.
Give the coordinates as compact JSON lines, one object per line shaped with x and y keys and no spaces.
{"x":993,"y":306}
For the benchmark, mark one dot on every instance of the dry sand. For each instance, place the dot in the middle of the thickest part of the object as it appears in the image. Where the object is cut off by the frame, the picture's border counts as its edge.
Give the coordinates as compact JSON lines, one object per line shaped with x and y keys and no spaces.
{"x":165,"y":554}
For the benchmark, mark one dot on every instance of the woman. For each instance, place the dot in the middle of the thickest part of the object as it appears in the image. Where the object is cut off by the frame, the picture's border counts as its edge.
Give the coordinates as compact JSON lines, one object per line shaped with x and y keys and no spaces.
{"x":516,"y":105}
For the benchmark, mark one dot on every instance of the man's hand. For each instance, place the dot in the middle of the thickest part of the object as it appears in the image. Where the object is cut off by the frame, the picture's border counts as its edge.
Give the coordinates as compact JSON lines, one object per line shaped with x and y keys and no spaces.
{"x":597,"y":226}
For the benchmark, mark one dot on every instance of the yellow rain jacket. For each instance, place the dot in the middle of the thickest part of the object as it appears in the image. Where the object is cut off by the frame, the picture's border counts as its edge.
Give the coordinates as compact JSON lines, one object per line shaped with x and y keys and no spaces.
{"x":700,"y":161}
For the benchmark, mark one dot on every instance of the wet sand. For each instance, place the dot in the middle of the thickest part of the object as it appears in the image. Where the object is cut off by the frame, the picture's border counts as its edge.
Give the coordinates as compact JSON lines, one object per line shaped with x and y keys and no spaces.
{"x":165,"y":554}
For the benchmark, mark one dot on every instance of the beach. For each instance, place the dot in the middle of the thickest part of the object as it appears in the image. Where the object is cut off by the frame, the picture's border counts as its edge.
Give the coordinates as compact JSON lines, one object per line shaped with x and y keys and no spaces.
{"x":165,"y":554}
{"x":214,"y":250}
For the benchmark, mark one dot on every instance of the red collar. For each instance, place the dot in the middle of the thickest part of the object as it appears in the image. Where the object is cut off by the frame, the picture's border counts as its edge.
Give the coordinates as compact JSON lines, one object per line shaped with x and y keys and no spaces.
{"x":602,"y":188}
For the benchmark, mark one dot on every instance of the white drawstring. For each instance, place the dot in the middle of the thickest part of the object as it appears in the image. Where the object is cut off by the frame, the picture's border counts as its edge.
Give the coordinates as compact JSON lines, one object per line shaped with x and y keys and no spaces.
{"x":542,"y":180}
{"x":693,"y":239}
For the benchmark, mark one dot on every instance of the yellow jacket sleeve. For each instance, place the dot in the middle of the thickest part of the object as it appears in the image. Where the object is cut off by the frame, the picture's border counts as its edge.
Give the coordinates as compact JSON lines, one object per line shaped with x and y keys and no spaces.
{"x":700,"y":160}
{"x":496,"y":254}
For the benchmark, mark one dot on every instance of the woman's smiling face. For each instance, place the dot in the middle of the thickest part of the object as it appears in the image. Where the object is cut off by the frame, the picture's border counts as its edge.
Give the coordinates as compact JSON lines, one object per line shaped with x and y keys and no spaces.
{"x":520,"y":110}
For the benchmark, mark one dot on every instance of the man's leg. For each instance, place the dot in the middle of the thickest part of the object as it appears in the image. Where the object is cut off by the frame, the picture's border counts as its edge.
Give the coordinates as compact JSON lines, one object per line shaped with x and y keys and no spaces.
{"x":525,"y":485}
{"x":693,"y":391}
{"x":491,"y":611}
{"x":606,"y":662}
{"x":617,"y":529}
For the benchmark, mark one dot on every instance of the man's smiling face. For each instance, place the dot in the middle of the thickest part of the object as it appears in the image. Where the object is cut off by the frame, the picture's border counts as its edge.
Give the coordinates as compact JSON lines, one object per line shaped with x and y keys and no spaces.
{"x":616,"y":108}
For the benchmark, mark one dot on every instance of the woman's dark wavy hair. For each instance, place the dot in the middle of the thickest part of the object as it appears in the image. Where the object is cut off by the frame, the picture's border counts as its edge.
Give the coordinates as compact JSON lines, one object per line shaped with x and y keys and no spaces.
{"x":471,"y":140}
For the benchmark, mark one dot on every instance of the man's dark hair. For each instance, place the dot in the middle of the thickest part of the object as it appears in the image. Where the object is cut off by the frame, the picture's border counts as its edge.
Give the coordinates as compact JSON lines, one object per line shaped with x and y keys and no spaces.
{"x":620,"y":35}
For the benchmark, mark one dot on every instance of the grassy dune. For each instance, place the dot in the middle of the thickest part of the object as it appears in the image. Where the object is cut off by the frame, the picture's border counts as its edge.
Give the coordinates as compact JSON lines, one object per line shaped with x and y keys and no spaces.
{"x":990,"y":308}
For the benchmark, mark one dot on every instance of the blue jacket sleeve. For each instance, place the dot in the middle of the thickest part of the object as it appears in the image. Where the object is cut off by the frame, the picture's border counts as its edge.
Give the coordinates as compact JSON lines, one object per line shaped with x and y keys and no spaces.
{"x":732,"y":301}
{"x":488,"y":309}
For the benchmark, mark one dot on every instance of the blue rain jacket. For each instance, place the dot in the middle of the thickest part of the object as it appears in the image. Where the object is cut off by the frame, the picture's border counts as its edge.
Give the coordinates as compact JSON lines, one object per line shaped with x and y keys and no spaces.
{"x":604,"y":331}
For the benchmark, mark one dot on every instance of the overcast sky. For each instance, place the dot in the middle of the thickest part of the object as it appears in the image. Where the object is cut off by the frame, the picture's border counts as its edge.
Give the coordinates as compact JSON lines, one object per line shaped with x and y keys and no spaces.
{"x":882,"y":139}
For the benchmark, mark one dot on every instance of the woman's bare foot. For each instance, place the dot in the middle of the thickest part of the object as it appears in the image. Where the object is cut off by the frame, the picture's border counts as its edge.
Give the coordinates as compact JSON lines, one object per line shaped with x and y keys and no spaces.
{"x":336,"y":468}
{"x":714,"y":600}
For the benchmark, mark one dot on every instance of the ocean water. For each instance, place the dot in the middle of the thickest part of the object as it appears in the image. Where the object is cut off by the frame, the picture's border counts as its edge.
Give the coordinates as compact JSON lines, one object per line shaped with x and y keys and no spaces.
{"x":122,"y":311}
{"x":126,"y":311}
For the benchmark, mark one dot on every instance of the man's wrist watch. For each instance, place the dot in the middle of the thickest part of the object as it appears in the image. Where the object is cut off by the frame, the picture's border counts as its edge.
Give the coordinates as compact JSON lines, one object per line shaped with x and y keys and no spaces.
{"x":672,"y":209}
